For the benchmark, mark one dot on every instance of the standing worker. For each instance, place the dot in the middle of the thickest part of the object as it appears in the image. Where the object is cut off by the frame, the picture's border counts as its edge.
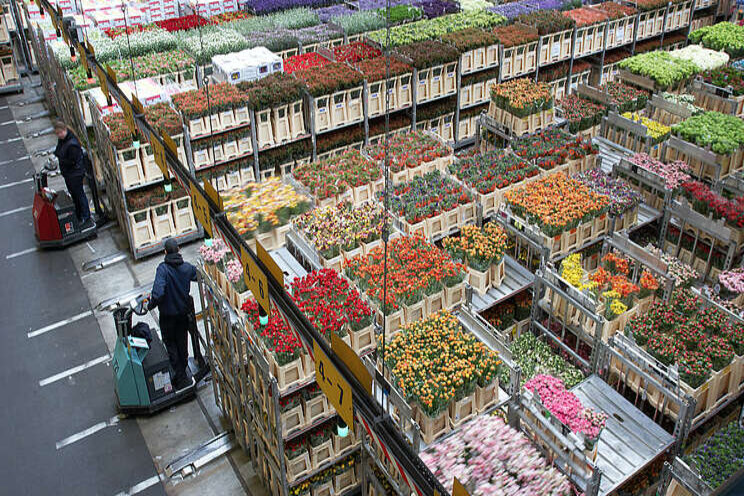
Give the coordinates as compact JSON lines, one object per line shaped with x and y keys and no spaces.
{"x":72,"y":166}
{"x":170,"y":293}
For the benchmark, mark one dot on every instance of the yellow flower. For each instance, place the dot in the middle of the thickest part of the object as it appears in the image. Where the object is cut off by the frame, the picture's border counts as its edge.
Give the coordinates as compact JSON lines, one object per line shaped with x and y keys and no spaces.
{"x":618,"y":307}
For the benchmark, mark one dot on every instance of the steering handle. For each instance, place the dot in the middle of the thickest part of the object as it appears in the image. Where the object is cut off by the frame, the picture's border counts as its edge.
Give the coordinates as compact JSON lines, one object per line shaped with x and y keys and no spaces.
{"x":138,"y":305}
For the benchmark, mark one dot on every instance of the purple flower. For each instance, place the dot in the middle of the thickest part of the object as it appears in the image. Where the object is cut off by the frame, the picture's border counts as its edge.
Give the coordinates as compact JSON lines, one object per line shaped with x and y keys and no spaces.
{"x":436,"y":8}
{"x":266,"y":6}
{"x":325,"y":13}
{"x":514,"y":9}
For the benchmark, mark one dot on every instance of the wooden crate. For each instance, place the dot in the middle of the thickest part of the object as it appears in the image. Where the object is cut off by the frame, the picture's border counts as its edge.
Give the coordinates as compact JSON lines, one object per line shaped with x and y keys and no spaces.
{"x":479,"y":281}
{"x":140,"y":224}
{"x":589,"y":39}
{"x":454,"y":296}
{"x":620,"y":32}
{"x":432,"y":428}
{"x":678,"y":16}
{"x":321,"y":454}
{"x":287,"y":375}
{"x":463,"y":410}
{"x":711,"y":97}
{"x":650,"y":23}
{"x":555,"y":47}
{"x":298,"y":467}
{"x":293,"y":419}
{"x":344,"y":481}
{"x":478,"y":59}
{"x":518,"y":60}
{"x":362,"y":340}
{"x":486,"y":397}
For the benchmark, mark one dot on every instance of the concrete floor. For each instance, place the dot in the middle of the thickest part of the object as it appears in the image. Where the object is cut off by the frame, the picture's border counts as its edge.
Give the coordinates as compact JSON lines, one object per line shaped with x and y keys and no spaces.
{"x":167,"y":435}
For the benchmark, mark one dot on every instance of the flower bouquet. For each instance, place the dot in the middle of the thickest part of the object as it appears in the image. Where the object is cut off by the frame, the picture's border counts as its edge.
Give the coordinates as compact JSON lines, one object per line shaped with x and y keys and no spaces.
{"x":282,"y":343}
{"x":663,"y":70}
{"x":421,"y":280}
{"x":227,"y":107}
{"x":556,"y":33}
{"x":683,"y":274}
{"x":489,"y":457}
{"x":436,"y":66}
{"x":698,"y":341}
{"x":706,"y":201}
{"x":333,"y":306}
{"x":337,"y":92}
{"x":582,"y":114}
{"x":479,"y":48}
{"x":673,"y":175}
{"x":412,"y":154}
{"x":345,"y":176}
{"x":489,"y":174}
{"x":724,"y":36}
{"x":732,"y":285}
{"x":703,"y":58}
{"x":557,"y":205}
{"x":430,"y":205}
{"x":482,"y":250}
{"x":624,"y":200}
{"x":655,"y":130}
{"x":567,"y":409}
{"x":723,"y":133}
{"x":521,"y":105}
{"x":304,"y":61}
{"x":340,"y":232}
{"x":720,"y":456}
{"x":554,"y":147}
{"x":534,"y":357}
{"x":437,"y":365}
{"x":263,"y":210}
{"x":399,"y":87}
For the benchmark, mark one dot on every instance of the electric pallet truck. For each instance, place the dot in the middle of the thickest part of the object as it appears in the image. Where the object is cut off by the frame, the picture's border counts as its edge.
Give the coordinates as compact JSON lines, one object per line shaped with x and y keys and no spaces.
{"x":55,"y":222}
{"x":143,"y":377}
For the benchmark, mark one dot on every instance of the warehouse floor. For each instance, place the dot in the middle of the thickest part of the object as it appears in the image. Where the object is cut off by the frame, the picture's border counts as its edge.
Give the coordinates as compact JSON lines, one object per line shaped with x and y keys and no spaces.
{"x":60,"y":428}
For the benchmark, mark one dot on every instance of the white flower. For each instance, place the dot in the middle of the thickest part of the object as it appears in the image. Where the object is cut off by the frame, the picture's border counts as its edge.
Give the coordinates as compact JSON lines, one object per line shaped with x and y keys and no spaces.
{"x":704,"y":58}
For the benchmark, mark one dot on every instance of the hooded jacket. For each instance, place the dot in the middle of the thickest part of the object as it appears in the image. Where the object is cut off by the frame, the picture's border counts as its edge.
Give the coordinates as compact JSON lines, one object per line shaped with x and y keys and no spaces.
{"x":170,"y":291}
{"x":70,"y":155}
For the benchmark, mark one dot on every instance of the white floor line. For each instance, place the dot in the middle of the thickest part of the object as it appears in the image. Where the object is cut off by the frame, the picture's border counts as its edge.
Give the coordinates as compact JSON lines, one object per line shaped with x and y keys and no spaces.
{"x":11,"y":140}
{"x":3,"y":107}
{"x":138,"y":488}
{"x":16,"y":183}
{"x":59,"y":324}
{"x":21,"y":253}
{"x":89,"y":431}
{"x":15,"y":160}
{"x":14,"y":211}
{"x":74,"y":370}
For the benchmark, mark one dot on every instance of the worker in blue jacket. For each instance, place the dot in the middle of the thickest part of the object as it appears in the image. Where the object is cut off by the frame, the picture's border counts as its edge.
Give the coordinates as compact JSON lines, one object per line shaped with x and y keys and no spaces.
{"x":170,"y":293}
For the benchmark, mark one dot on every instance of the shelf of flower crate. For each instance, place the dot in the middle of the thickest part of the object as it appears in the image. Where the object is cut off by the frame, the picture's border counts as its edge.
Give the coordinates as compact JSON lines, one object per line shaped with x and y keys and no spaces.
{"x":516,"y":279}
{"x":629,"y":441}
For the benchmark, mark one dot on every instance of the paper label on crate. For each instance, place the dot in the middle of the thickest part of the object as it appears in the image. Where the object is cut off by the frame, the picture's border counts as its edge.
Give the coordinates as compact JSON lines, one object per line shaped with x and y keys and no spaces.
{"x":422,"y":82}
{"x":339,"y":105}
{"x":162,"y":380}
{"x":405,"y":86}
{"x":374,"y":95}
{"x":555,"y":50}
{"x":450,"y":74}
{"x":436,"y":78}
{"x":620,"y":33}
{"x":321,"y":110}
{"x":649,"y":24}
{"x":589,"y":38}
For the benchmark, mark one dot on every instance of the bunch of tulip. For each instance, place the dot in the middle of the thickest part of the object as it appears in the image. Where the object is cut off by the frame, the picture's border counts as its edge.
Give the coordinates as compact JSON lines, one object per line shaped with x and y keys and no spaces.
{"x":262,"y":206}
{"x":435,"y":361}
{"x":556,"y":203}
{"x":409,"y":150}
{"x":488,"y":457}
{"x":415,"y":269}
{"x":522,"y":97}
{"x":478,"y":248}
{"x":332,"y":228}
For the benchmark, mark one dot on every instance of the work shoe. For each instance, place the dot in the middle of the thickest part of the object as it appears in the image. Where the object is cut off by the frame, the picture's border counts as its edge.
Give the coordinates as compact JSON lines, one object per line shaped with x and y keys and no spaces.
{"x":88,"y":223}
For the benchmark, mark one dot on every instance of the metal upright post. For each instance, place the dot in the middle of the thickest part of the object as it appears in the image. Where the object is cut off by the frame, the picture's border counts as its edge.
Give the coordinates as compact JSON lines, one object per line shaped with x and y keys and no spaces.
{"x":456,"y":123}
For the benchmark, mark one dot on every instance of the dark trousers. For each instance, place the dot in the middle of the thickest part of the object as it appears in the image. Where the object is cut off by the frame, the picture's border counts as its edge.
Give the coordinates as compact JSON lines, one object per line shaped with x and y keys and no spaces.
{"x":174,"y":329}
{"x":77,"y":192}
